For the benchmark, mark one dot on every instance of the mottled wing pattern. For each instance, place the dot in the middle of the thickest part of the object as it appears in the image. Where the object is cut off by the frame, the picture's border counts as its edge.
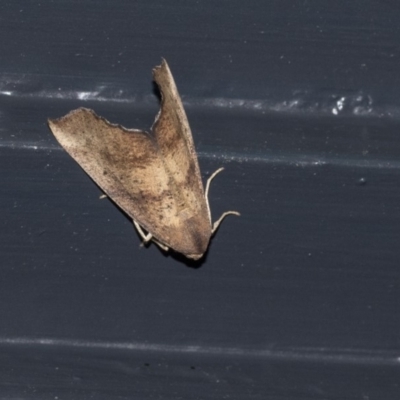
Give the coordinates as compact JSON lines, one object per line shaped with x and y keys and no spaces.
{"x":125,"y":164}
{"x":154,"y":179}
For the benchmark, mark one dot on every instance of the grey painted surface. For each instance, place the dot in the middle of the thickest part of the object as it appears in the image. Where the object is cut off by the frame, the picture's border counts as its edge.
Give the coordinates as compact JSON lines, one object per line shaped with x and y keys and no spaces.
{"x":297,"y":298}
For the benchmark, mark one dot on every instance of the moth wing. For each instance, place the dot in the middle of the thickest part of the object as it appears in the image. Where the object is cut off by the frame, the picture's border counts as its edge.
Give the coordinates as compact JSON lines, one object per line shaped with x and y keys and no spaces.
{"x":174,"y":138}
{"x":127,"y":165}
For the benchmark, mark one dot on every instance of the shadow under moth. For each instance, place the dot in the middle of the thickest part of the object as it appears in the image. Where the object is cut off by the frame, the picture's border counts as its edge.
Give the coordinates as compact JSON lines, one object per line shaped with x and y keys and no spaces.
{"x":154,"y":177}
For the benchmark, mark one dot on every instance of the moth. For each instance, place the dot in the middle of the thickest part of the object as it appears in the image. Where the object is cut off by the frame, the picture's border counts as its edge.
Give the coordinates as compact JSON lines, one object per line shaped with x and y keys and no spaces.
{"x":154,"y":177}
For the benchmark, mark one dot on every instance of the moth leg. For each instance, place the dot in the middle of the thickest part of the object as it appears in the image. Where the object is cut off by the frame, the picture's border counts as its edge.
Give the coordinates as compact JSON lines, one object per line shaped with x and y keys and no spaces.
{"x":148,"y":237}
{"x":217,"y":223}
{"x":162,"y":246}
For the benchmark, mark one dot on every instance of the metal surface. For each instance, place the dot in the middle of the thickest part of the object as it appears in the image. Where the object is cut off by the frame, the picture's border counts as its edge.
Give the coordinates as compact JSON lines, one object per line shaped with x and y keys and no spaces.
{"x":296,"y":299}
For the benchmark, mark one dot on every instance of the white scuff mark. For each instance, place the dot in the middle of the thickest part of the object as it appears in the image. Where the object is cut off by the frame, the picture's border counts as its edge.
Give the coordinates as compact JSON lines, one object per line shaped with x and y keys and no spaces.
{"x":87,"y":95}
{"x":338,"y":106}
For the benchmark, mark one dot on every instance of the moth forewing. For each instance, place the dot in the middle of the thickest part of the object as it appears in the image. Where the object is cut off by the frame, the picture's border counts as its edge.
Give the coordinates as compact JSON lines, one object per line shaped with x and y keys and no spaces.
{"x":155,"y":178}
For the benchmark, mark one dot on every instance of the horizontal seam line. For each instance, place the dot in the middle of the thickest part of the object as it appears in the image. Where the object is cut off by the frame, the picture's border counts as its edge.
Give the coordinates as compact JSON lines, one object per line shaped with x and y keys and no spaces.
{"x":343,"y":356}
{"x":270,"y":159}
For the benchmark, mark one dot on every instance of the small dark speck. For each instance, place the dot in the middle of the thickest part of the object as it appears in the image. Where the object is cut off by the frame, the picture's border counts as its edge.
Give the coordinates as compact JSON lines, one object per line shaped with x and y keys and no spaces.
{"x":192,"y":367}
{"x":146,"y":364}
{"x":362,"y":181}
{"x":105,"y":172}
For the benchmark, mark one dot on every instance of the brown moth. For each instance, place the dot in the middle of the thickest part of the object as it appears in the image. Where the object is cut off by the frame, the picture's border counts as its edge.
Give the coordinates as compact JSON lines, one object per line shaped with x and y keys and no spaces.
{"x":154,"y":177}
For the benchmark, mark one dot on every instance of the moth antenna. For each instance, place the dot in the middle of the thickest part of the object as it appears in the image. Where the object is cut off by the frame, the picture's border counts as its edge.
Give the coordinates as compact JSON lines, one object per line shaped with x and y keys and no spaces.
{"x":217,"y":223}
{"x":208,"y":188}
